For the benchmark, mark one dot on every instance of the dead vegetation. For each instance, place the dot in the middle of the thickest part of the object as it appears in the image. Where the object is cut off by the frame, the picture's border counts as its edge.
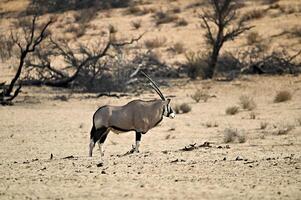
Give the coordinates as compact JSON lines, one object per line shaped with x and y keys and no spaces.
{"x":232,"y":110}
{"x":232,"y":135}
{"x":247,"y":102}
{"x":155,"y":42}
{"x":282,"y":96}
{"x":200,"y":95}
{"x":182,"y":108}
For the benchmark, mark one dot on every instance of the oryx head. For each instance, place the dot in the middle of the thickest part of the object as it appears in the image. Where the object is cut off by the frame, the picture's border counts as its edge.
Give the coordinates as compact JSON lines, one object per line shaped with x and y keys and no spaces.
{"x":167,"y":110}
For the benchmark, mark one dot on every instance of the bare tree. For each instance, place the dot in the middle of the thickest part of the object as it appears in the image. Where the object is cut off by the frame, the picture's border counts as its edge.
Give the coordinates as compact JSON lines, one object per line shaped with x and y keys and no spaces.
{"x":221,"y":25}
{"x":31,"y":42}
{"x":81,"y":60}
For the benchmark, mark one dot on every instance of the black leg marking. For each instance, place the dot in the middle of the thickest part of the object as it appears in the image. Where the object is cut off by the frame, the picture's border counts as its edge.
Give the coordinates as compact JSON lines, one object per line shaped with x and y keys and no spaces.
{"x":138,"y":136}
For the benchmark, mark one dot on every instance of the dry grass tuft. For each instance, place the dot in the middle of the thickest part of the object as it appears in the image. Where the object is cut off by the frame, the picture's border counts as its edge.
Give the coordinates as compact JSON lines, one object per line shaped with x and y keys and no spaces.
{"x":112,"y":29}
{"x":185,"y":108}
{"x":155,"y":42}
{"x":136,"y":24}
{"x":263,"y":125}
{"x":182,"y":108}
{"x":252,"y":115}
{"x":253,"y":38}
{"x":284,"y":129}
{"x":211,"y":124}
{"x":181,"y":22}
{"x":177,"y":48}
{"x":282,"y":96}
{"x":247,"y":102}
{"x":161,"y":17}
{"x":253,"y":14}
{"x":200,"y":95}
{"x":231,"y":135}
{"x":232,"y":110}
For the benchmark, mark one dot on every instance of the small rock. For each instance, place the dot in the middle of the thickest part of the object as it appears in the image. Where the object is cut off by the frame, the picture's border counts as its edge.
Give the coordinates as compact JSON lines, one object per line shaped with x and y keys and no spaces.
{"x":238,"y":158}
{"x":103,"y":172}
{"x":99,"y":164}
{"x":225,"y":158}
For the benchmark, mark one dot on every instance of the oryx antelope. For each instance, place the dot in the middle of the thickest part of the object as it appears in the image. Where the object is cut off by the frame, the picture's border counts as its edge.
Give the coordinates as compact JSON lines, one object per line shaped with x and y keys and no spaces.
{"x":138,"y":115}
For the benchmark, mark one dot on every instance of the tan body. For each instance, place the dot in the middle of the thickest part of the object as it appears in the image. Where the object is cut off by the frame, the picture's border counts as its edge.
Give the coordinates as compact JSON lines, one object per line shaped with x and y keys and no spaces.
{"x":137,"y":115}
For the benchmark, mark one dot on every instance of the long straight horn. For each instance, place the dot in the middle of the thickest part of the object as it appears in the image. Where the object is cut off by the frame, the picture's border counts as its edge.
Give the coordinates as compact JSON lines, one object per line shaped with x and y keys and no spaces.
{"x":155,"y":86}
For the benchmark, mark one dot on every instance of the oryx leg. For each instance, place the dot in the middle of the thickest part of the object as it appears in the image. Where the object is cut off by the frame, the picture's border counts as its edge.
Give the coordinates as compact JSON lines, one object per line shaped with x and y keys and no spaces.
{"x":101,"y":141}
{"x":97,"y":135}
{"x":138,"y":140}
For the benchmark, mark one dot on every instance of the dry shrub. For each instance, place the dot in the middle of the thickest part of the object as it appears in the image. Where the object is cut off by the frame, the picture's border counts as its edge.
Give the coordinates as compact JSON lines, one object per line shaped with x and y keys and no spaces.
{"x":253,"y":38}
{"x":61,"y":98}
{"x":252,"y":115}
{"x":247,"y":102}
{"x":231,"y":135}
{"x":211,"y":124}
{"x":200,"y":95}
{"x":77,"y":30}
{"x":282,"y":96}
{"x":284,"y":129}
{"x":182,"y":108}
{"x":181,"y":22}
{"x":253,"y":14}
{"x":136,"y":24}
{"x":268,"y":2}
{"x":290,"y":9}
{"x":263,"y":125}
{"x":185,"y":108}
{"x":112,"y":29}
{"x":155,"y":42}
{"x":178,"y":48}
{"x":232,"y":110}
{"x":197,"y":65}
{"x":295,"y":32}
{"x":133,"y":10}
{"x":161,"y":17}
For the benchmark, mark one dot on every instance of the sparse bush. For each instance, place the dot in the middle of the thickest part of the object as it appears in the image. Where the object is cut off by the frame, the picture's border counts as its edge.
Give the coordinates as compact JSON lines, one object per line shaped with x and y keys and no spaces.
{"x":253,"y":14}
{"x":263,"y":125}
{"x":247,"y":102}
{"x":178,"y":48}
{"x":136,"y":24}
{"x":252,"y":115}
{"x":112,"y":29}
{"x":161,"y":17}
{"x":155,"y":42}
{"x":77,"y":30}
{"x":182,"y":108}
{"x":230,"y":135}
{"x":133,"y":10}
{"x":232,"y":110}
{"x":296,"y":32}
{"x":241,"y":138}
{"x":197,"y":64}
{"x":282,"y":96}
{"x":253,"y":38}
{"x":61,"y":98}
{"x":284,"y":129}
{"x":175,"y":10}
{"x":200,"y":95}
{"x":181,"y":22}
{"x":211,"y":124}
{"x":268,"y":2}
{"x":185,"y":108}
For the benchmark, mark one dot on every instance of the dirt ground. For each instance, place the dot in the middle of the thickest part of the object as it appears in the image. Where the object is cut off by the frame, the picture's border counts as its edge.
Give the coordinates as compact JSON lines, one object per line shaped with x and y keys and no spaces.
{"x":265,"y":166}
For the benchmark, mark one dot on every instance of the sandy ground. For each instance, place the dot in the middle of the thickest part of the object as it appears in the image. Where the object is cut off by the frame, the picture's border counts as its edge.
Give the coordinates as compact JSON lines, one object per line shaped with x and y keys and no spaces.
{"x":268,"y":165}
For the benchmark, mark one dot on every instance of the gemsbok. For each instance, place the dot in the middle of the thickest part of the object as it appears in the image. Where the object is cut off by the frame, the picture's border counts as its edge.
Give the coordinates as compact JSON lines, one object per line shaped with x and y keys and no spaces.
{"x":137,"y":115}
